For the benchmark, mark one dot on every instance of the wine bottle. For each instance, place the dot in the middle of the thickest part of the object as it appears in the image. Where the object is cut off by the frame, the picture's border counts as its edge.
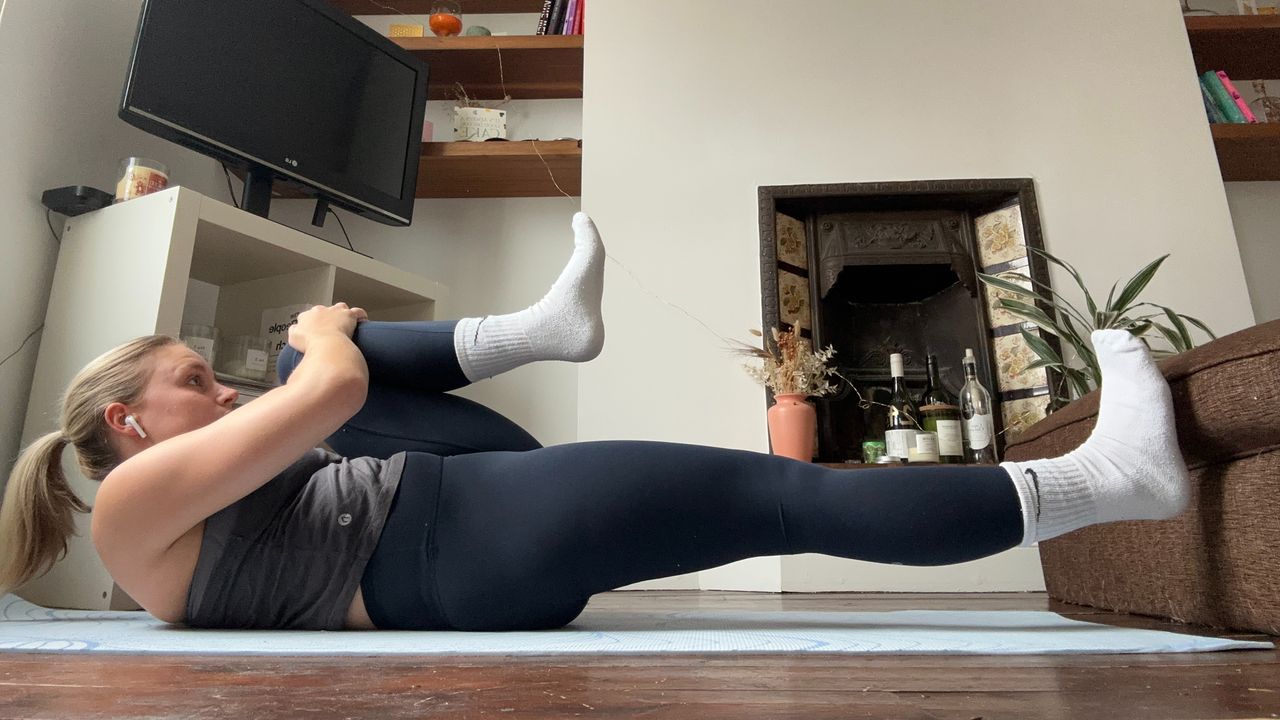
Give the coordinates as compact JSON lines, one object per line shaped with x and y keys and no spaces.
{"x":975,"y":407}
{"x":941,"y":414}
{"x":903,"y":416}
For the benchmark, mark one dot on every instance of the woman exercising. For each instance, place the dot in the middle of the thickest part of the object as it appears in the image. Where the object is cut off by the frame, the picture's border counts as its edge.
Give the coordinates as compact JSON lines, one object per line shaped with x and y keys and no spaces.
{"x":437,"y":513}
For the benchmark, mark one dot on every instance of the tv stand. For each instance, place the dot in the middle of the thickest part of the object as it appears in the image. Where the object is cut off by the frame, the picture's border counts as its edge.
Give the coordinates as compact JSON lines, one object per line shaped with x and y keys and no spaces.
{"x":256,"y":195}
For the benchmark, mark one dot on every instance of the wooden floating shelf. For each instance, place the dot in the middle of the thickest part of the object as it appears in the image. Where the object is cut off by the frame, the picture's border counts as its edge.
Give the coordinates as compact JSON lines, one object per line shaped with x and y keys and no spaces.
{"x":423,"y":7}
{"x":526,"y":67}
{"x":1247,"y":152}
{"x":1246,"y":47}
{"x":500,"y":169}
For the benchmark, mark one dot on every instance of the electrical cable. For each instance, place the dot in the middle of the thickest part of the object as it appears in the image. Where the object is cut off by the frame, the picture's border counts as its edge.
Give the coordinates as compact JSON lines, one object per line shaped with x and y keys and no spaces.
{"x":230,"y":189}
{"x":334,"y":213}
{"x":24,"y":344}
{"x":48,"y":219}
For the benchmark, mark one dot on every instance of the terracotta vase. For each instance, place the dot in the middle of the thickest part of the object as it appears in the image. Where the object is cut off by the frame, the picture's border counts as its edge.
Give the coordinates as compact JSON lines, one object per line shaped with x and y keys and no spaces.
{"x":792,"y":423}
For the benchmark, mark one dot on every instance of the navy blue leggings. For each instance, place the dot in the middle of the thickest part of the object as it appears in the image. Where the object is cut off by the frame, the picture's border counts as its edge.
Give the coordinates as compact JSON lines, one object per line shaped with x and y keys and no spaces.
{"x":491,"y":531}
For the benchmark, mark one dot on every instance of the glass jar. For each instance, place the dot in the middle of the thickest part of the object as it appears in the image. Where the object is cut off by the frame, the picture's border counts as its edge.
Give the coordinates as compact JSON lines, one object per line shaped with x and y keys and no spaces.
{"x":140,"y":176}
{"x":244,"y":356}
{"x":201,"y":338}
{"x":446,"y":18}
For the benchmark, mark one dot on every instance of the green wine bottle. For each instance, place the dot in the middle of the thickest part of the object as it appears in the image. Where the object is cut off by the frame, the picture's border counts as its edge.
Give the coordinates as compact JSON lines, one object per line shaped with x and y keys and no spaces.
{"x":940,"y":414}
{"x":900,"y":436}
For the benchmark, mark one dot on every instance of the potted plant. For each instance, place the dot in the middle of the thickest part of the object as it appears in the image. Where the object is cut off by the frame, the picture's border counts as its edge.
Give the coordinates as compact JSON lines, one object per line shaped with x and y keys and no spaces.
{"x":792,"y":371}
{"x":474,"y":121}
{"x":1072,"y":326}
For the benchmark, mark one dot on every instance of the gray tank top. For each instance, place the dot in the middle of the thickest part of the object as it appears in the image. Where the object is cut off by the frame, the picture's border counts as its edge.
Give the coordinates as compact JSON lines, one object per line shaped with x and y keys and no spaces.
{"x":291,"y":553}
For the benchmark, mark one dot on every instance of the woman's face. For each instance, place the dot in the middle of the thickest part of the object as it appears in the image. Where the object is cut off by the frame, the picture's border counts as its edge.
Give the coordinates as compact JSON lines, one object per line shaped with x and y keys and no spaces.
{"x":182,"y":394}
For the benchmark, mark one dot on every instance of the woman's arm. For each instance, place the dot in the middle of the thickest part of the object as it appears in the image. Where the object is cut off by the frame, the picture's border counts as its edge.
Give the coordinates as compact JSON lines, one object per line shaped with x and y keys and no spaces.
{"x":155,"y":497}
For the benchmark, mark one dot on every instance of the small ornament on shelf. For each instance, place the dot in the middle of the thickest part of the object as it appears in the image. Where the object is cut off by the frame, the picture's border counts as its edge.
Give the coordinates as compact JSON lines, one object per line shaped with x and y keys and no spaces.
{"x":446,"y":18}
{"x":405,"y":30}
{"x":1258,"y":7}
{"x":1269,"y":105}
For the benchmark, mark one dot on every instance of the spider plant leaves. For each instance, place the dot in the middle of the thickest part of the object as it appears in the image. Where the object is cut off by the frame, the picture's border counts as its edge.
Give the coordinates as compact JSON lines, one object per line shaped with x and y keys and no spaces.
{"x":1135,"y":286}
{"x":1041,"y":348}
{"x":1073,"y":327}
{"x":1030,"y":313}
{"x":1075,"y":275}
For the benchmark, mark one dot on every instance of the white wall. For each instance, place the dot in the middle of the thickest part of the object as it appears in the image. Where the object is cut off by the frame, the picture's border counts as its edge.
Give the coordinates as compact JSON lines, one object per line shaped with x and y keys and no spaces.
{"x":1255,"y":209}
{"x":684,"y":121}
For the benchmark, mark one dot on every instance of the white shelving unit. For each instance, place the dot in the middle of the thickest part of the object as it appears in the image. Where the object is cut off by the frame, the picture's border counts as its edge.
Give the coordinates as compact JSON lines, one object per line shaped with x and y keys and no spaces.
{"x":124,"y":271}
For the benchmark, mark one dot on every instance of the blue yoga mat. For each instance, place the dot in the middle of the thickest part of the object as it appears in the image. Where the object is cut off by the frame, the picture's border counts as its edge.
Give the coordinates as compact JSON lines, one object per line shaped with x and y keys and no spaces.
{"x":29,"y":628}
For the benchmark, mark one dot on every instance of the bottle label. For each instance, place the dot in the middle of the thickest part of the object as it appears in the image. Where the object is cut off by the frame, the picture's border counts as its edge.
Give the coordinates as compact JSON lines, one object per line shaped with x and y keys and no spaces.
{"x":979,"y":430}
{"x":925,"y":449}
{"x":950,"y":438}
{"x":898,"y":443}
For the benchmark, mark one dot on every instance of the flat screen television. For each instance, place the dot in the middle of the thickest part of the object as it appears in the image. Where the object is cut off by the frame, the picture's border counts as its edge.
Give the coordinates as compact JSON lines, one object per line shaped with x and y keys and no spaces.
{"x":290,"y":91}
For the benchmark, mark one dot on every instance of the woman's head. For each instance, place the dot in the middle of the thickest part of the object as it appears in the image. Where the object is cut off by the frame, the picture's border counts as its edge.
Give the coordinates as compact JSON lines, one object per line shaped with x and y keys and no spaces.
{"x":142,"y":378}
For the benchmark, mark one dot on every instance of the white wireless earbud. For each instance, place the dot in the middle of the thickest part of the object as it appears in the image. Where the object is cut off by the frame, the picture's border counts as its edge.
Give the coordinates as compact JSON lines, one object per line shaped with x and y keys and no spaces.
{"x":133,"y":423}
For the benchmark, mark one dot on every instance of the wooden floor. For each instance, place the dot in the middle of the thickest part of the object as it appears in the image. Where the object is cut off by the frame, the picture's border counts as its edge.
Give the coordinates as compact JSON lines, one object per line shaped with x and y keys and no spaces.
{"x":1243,"y":684}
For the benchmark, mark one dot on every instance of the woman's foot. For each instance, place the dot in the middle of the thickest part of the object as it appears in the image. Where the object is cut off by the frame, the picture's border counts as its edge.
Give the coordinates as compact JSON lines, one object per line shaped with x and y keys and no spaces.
{"x":1130,"y":468}
{"x":564,"y":325}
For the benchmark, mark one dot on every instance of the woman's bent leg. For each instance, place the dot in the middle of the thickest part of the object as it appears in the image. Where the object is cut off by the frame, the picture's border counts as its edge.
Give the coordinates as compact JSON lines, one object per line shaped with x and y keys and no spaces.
{"x":411,"y":367}
{"x":523,"y":539}
{"x":410,"y":355}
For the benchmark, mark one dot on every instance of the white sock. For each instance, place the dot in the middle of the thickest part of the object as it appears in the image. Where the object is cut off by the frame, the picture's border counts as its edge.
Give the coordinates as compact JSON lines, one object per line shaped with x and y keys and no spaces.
{"x":563,"y":325}
{"x":1130,"y":468}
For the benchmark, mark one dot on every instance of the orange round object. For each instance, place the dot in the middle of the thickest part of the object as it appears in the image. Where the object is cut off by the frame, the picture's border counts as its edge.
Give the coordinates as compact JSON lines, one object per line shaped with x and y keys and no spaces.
{"x":443,"y":24}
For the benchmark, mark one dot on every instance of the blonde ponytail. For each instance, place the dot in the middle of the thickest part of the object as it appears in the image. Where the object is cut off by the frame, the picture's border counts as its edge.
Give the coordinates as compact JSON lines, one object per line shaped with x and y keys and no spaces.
{"x":37,"y":515}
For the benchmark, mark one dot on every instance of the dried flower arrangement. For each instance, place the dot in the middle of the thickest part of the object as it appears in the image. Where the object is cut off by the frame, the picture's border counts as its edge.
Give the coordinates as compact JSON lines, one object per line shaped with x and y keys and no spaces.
{"x":789,"y":365}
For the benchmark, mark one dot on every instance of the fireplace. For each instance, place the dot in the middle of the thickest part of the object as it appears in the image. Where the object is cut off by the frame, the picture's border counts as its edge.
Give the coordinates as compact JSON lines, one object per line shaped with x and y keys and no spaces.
{"x":879,"y":268}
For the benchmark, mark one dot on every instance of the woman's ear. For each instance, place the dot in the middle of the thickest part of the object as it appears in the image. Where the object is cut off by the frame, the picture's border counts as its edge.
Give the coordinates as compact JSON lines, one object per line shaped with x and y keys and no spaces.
{"x":115,"y":414}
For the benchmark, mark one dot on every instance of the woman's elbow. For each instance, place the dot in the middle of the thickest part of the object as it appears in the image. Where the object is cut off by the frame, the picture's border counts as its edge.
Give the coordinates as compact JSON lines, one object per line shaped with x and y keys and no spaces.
{"x":350,"y":390}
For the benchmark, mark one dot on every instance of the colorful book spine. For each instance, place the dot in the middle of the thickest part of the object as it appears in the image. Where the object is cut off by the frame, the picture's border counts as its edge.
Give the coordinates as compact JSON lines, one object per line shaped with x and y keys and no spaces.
{"x":582,"y":11}
{"x":1221,"y":97}
{"x":1235,"y":95}
{"x":557,"y":16}
{"x":570,"y":13}
{"x":545,"y":17}
{"x":1210,"y":107}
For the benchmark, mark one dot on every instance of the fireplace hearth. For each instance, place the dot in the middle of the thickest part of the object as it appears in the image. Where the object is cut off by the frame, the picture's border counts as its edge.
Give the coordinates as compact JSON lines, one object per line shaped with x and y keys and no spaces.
{"x":879,"y":268}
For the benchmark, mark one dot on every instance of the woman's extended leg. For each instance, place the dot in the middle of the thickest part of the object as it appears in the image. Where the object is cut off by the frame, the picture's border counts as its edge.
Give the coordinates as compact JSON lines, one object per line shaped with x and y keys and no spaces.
{"x":521,"y":540}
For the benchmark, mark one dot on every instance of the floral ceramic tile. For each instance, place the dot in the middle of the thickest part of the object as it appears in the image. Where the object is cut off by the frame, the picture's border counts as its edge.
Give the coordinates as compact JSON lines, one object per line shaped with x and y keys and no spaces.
{"x":791,"y":245}
{"x":1000,"y":317}
{"x":1021,"y":414}
{"x":1000,"y":236}
{"x":1013,"y":355}
{"x":793,"y":300}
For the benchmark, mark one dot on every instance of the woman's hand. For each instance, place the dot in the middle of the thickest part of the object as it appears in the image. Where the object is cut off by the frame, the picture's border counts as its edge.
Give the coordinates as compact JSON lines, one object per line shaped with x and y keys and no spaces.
{"x":320,"y":321}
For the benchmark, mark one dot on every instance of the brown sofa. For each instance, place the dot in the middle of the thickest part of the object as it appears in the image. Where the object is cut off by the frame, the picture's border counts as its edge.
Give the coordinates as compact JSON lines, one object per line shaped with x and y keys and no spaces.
{"x":1218,"y":563}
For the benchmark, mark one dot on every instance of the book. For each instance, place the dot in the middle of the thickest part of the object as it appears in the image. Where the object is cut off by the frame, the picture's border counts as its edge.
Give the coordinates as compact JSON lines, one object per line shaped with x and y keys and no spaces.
{"x":1221,"y":97}
{"x":544,"y":18}
{"x":1210,"y":107}
{"x":557,"y":16}
{"x":582,"y":9}
{"x":571,"y":11}
{"x":1235,"y":95}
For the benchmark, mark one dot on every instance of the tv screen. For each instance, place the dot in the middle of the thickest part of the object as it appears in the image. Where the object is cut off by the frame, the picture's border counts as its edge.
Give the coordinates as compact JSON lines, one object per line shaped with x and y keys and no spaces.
{"x":289,"y":90}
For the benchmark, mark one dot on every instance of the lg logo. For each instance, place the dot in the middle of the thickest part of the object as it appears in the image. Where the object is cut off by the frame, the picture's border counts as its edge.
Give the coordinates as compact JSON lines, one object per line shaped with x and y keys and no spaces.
{"x":291,"y":161}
